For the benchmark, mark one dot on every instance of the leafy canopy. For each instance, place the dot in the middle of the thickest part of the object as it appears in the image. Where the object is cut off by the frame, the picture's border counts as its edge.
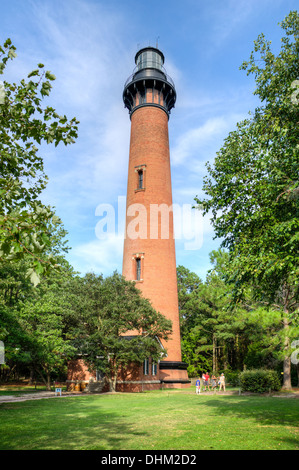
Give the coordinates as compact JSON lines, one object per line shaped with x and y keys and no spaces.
{"x":252,"y":188}
{"x":25,"y":124}
{"x":114,"y":325}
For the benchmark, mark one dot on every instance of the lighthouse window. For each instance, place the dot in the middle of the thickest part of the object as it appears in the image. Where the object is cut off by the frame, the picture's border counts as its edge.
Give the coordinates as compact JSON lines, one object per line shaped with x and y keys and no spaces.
{"x":138,"y":269}
{"x":140,"y":179}
{"x":149,"y":58}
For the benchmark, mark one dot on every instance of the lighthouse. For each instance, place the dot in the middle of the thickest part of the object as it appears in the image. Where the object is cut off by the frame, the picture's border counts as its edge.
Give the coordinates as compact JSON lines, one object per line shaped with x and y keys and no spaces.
{"x":149,"y":246}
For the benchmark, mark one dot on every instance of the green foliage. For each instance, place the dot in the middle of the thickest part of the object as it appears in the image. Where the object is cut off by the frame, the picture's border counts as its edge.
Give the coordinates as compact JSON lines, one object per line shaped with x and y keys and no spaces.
{"x":221,"y":334}
{"x":232,"y":377}
{"x":252,"y":188}
{"x":114,"y":325}
{"x":33,"y":320}
{"x":259,"y":381}
{"x":253,"y":185}
{"x":24,"y":125}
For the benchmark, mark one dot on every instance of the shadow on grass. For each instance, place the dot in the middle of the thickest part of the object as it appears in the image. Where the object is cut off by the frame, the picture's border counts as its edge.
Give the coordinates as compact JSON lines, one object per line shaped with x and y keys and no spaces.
{"x":266,"y":412}
{"x":71,"y":424}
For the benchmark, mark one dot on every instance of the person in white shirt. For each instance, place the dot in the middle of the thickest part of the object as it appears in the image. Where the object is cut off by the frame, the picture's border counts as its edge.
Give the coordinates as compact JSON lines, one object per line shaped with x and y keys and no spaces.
{"x":222,"y":382}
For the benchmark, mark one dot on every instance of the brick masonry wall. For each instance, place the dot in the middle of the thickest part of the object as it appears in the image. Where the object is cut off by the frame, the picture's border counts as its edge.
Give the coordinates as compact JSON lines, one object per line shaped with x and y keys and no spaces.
{"x":130,"y":379}
{"x":133,"y":379}
{"x":78,"y":370}
{"x":149,"y":145}
{"x":149,"y":150}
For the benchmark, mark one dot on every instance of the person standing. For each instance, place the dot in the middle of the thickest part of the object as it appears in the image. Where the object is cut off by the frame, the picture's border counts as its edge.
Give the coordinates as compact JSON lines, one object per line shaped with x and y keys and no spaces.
{"x":214,"y":383}
{"x":197,"y":386}
{"x":222,"y":382}
{"x":207,"y":382}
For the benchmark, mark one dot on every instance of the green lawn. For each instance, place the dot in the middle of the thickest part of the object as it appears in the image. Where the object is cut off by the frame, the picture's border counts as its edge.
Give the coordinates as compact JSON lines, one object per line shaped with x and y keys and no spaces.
{"x":159,"y":420}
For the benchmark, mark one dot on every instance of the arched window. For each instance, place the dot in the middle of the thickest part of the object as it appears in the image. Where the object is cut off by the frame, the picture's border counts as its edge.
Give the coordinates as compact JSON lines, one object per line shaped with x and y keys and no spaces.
{"x":140,"y":177}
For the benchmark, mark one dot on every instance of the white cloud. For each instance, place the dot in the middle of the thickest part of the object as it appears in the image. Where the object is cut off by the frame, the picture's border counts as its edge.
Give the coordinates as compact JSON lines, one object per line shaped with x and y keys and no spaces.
{"x":196,"y":145}
{"x":81,"y":43}
{"x":99,"y":256}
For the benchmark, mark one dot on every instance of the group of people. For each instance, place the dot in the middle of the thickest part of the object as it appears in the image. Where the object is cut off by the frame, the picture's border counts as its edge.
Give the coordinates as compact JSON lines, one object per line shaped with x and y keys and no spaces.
{"x":208,"y":382}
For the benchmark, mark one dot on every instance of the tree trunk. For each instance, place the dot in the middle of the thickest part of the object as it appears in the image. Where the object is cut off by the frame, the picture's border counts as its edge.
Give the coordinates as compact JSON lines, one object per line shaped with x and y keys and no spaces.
{"x":286,"y":326}
{"x":214,"y":354}
{"x":225,"y":357}
{"x":113,"y":377}
{"x":48,"y":382}
{"x":31,"y":376}
{"x":114,"y":383}
{"x":287,"y":360}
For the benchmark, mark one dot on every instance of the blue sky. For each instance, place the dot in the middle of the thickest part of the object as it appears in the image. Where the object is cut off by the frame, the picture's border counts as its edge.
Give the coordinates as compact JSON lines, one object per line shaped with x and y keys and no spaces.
{"x":90,"y":46}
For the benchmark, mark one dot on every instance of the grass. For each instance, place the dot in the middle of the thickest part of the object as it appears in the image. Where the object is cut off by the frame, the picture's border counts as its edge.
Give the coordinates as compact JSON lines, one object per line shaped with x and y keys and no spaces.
{"x":158,"y":420}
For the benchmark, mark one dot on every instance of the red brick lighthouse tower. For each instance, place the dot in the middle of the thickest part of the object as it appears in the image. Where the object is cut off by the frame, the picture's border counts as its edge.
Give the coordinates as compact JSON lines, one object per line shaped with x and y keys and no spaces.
{"x":149,"y":246}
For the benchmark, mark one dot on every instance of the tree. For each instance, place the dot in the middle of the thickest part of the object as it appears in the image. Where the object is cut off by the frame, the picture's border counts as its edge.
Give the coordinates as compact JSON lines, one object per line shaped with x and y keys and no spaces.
{"x":34,"y":320}
{"x":42,"y":318}
{"x":252,"y":188}
{"x":194,"y":343}
{"x":220,"y":334}
{"x":188,"y":285}
{"x":116,"y":326}
{"x":24,"y":125}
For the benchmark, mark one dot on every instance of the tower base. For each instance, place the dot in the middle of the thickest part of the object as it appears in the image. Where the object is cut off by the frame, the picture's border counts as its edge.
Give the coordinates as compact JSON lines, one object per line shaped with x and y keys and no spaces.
{"x":170,"y":374}
{"x":173,"y":374}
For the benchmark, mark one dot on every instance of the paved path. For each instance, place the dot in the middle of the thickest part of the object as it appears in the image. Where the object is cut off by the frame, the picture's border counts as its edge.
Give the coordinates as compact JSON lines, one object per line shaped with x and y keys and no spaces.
{"x":35,"y":396}
{"x":41,"y":395}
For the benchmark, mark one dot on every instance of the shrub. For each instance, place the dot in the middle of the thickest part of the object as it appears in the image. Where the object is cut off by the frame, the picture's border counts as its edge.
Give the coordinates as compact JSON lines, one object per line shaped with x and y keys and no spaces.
{"x":232,"y":377}
{"x":259,"y":381}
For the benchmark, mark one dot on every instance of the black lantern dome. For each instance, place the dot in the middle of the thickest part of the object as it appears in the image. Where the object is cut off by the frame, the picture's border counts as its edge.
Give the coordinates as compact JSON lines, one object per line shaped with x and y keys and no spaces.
{"x":149,"y":85}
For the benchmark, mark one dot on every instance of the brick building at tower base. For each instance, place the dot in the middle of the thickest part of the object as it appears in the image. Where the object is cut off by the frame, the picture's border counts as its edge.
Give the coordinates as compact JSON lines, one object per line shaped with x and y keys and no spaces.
{"x":134,"y":378}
